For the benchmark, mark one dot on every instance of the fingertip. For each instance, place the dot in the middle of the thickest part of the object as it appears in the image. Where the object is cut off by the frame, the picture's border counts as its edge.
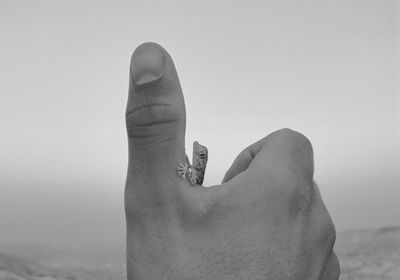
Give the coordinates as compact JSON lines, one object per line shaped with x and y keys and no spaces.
{"x":292,"y":150}
{"x":147,"y":63}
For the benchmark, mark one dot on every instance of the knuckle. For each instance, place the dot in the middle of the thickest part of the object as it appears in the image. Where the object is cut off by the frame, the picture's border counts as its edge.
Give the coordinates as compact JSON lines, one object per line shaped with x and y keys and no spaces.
{"x":287,"y":132}
{"x":297,"y":151}
{"x":148,"y":114}
{"x":293,"y":137}
{"x":150,"y":120}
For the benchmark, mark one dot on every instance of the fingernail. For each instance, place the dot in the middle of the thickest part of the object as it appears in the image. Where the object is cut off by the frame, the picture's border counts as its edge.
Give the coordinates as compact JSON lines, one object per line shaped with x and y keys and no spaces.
{"x":147,"y":64}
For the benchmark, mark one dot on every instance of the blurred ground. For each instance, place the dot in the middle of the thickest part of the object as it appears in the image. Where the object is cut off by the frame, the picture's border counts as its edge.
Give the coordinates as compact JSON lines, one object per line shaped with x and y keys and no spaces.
{"x":370,"y":254}
{"x":43,"y":262}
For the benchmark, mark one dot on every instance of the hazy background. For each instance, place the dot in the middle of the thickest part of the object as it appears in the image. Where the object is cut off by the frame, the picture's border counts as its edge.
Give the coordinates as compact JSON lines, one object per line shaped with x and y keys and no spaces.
{"x":329,"y":69}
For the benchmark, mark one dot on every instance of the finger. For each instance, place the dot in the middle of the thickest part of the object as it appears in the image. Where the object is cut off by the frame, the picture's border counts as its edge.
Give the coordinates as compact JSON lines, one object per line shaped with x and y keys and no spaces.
{"x":243,"y":160}
{"x":155,"y":116}
{"x":284,"y":150}
{"x":285,"y":153}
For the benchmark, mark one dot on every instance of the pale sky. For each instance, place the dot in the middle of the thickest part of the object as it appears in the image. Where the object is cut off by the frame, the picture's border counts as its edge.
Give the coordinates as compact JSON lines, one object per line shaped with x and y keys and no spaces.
{"x":328,"y":69}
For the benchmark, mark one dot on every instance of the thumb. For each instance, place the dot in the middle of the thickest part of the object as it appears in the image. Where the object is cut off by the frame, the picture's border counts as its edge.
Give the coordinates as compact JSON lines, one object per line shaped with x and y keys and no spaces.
{"x":155,"y":116}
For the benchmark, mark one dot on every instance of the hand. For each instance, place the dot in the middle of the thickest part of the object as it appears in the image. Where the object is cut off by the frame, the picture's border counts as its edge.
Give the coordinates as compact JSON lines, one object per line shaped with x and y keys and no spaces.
{"x":265,"y":221}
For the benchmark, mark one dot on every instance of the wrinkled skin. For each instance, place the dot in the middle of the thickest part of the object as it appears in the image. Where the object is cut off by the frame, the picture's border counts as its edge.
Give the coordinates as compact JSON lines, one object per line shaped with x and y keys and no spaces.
{"x":265,"y":221}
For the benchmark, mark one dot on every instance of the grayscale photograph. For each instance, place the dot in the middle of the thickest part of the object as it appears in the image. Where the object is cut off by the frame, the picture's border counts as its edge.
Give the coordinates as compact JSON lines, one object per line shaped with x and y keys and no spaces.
{"x":199,"y":140}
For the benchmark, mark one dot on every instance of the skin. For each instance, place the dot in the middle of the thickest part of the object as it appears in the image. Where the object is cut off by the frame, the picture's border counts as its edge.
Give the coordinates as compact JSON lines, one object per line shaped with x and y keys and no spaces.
{"x":266,"y":220}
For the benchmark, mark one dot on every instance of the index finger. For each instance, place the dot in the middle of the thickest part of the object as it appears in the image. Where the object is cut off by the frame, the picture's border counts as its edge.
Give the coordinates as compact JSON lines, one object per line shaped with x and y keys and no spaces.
{"x":281,"y":153}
